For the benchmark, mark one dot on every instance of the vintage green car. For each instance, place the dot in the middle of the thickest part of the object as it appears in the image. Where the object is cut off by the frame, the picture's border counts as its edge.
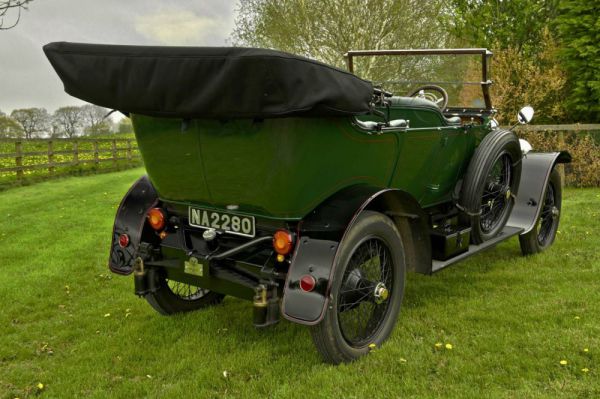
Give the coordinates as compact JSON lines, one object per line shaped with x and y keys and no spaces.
{"x":304,"y":188}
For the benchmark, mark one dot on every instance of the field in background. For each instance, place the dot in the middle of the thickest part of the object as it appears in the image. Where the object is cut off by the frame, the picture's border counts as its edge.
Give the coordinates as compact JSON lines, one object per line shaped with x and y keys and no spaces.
{"x":70,"y":325}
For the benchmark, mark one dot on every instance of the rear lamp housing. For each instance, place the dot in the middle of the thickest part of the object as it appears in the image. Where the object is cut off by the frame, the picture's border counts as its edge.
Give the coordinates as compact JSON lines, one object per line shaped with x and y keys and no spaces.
{"x":123,"y":240}
{"x":283,"y":242}
{"x":156,"y":218}
{"x":307,"y":283}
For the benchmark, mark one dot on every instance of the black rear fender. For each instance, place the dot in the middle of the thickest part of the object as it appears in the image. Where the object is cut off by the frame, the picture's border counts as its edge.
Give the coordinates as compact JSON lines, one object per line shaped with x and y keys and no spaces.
{"x":322,"y":231}
{"x":130,"y":220}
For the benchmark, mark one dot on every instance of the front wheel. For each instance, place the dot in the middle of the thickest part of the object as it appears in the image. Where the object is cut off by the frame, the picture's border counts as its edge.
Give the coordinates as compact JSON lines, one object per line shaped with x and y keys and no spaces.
{"x":367,"y":290}
{"x":543,"y":233}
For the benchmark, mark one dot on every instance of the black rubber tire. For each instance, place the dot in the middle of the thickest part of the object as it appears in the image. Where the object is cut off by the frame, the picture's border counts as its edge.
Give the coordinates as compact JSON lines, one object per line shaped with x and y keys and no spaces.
{"x":493,"y":146}
{"x":530,"y":244}
{"x":165,"y":302}
{"x":327,"y":335}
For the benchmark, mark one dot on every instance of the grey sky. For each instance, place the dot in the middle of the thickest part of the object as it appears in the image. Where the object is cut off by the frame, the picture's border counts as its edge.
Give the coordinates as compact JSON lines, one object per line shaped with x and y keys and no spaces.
{"x":28,"y":80}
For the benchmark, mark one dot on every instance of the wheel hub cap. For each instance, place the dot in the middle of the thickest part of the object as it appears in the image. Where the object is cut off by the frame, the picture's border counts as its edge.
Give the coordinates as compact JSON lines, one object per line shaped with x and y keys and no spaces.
{"x":555,"y":212}
{"x":381,"y":293}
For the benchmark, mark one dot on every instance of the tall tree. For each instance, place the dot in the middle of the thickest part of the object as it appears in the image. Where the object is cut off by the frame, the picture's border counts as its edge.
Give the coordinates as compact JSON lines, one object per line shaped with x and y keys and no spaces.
{"x":125,"y":126}
{"x":579,"y":31}
{"x":69,"y":120}
{"x":325,"y":30}
{"x":34,"y":121}
{"x":94,"y":121}
{"x":10,"y":127}
{"x":501,"y":24}
{"x":12,"y":8}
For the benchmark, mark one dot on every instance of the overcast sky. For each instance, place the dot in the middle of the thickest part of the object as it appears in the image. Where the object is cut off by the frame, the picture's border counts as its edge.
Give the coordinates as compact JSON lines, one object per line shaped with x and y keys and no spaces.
{"x":28,"y":80}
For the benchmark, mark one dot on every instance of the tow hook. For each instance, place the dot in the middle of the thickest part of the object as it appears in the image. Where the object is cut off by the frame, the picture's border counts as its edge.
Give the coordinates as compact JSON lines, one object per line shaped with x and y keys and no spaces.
{"x":266,"y":306}
{"x":144,"y":280}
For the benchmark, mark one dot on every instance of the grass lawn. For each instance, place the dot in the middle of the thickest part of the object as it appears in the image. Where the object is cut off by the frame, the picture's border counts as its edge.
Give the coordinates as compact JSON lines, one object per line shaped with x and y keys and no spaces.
{"x":69,"y":324}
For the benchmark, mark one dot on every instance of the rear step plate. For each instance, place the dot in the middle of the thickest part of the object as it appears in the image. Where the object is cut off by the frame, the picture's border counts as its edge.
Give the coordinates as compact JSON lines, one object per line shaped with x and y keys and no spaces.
{"x":508,"y":232}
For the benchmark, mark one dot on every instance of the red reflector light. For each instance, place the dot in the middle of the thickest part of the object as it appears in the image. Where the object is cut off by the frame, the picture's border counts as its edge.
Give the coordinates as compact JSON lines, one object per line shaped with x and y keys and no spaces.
{"x":156,"y":218}
{"x":307,"y":283}
{"x":282,"y":242}
{"x":123,"y":240}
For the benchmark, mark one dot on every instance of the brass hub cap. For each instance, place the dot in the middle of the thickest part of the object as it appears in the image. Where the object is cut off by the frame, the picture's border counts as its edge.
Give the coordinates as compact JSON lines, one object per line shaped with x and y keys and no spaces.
{"x":381,"y":293}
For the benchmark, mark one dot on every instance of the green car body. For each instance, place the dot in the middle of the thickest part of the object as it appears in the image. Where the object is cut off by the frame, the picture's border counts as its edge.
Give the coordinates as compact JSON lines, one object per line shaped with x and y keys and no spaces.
{"x":284,"y":168}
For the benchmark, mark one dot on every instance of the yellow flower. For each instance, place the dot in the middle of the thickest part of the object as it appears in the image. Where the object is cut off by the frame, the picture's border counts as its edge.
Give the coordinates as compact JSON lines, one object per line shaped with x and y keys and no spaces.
{"x":40,"y":386}
{"x":577,"y":317}
{"x":438,"y":345}
{"x":107,"y":315}
{"x":449,"y":346}
{"x":585,"y":370}
{"x":586,"y":350}
{"x":563,"y":362}
{"x":402,"y":360}
{"x":372,"y":346}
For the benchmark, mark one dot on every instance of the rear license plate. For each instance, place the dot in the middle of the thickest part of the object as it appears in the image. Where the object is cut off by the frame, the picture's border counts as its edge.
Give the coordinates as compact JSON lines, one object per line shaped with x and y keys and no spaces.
{"x":226,"y":222}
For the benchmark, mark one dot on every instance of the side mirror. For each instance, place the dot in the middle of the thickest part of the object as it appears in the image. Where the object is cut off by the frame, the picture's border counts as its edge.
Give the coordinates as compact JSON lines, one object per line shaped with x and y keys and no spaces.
{"x":525,"y":115}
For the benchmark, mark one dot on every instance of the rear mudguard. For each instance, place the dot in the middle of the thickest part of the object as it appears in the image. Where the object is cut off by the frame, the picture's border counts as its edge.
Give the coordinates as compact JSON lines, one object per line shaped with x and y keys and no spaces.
{"x":130,"y":219}
{"x":535,"y":173}
{"x":322,"y":231}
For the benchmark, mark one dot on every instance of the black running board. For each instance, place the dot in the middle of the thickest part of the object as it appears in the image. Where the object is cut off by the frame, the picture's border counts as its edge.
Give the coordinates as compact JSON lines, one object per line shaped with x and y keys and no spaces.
{"x":507,"y":233}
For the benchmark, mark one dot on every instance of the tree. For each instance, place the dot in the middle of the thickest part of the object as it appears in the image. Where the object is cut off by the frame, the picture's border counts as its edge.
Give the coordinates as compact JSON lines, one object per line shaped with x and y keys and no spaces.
{"x":69,"y":120}
{"x":579,"y":31}
{"x":325,"y":30}
{"x":34,"y":121}
{"x":501,"y":24}
{"x":94,"y":121}
{"x":520,"y":81}
{"x":9,"y":7}
{"x":10,"y":127}
{"x":125,"y":126}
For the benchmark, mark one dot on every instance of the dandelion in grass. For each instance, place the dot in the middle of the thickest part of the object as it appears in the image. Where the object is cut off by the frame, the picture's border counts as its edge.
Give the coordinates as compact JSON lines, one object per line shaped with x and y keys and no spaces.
{"x":563,"y":362}
{"x":107,"y":315}
{"x":585,"y":370}
{"x":449,"y":346}
{"x":438,"y":345}
{"x":586,"y":350}
{"x":40,"y":386}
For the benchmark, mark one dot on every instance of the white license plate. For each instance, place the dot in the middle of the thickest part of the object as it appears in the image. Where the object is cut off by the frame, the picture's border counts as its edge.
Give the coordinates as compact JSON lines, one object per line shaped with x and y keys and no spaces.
{"x":227,"y":222}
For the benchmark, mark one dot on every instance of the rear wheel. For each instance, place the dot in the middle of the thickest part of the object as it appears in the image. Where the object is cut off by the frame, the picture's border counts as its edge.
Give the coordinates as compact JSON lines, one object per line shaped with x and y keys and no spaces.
{"x":175,"y":297}
{"x":543,"y":233}
{"x":367,"y":290}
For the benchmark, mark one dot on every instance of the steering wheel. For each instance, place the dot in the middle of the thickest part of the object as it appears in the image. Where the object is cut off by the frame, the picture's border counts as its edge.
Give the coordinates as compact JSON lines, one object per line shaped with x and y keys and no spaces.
{"x":433,"y":93}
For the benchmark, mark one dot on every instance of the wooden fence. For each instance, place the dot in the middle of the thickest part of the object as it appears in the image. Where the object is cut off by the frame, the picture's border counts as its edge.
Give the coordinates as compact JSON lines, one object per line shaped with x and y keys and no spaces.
{"x":50,"y":155}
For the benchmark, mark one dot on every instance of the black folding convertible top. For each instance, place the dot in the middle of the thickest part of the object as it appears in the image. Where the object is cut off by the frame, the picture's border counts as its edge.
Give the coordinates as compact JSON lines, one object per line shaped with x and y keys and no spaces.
{"x":206,"y":82}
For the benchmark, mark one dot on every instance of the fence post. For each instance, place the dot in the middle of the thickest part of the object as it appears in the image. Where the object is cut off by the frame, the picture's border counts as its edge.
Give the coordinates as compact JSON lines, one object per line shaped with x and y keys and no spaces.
{"x":129,"y":152}
{"x":96,"y":160}
{"x":50,"y":157}
{"x":114,"y":153}
{"x":19,"y":159}
{"x":561,"y":146}
{"x":76,"y":153}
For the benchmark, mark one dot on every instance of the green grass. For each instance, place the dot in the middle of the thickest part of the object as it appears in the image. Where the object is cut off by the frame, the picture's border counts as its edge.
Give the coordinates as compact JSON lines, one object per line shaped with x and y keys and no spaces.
{"x":66,"y":322}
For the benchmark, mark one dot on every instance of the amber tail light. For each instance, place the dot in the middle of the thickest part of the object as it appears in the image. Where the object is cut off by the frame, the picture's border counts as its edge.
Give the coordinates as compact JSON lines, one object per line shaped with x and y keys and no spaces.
{"x":283,"y":242}
{"x":156,"y":218}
